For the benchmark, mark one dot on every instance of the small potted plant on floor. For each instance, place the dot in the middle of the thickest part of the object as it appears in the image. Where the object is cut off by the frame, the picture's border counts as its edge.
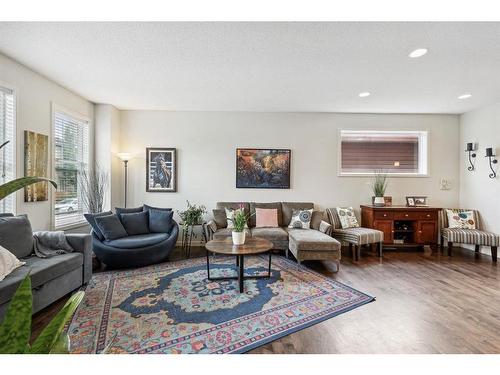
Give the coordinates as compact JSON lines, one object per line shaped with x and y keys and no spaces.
{"x":239,"y":221}
{"x":378,"y":186}
{"x":192,"y":215}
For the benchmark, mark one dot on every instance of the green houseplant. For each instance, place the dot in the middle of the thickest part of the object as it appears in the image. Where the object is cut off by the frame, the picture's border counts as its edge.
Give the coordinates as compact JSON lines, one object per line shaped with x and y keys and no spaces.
{"x":239,"y":220}
{"x":192,"y":215}
{"x":379,"y":185}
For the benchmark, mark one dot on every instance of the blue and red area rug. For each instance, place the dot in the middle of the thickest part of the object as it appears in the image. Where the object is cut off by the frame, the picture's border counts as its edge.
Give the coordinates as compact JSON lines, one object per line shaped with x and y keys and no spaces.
{"x":173,"y":308}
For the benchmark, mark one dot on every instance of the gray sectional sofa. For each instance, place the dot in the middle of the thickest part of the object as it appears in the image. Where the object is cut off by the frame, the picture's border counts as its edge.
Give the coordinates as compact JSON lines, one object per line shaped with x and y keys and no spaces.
{"x":51,"y":278}
{"x":305,"y":244}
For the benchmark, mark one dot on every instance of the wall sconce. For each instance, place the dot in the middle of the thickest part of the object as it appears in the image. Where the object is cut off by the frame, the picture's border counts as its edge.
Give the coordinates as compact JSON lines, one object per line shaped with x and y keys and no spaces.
{"x":470,"y":149}
{"x":492,"y":160}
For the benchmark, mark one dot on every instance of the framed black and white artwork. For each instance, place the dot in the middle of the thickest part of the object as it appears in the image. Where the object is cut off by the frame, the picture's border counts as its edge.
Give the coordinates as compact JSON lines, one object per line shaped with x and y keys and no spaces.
{"x":161,"y":170}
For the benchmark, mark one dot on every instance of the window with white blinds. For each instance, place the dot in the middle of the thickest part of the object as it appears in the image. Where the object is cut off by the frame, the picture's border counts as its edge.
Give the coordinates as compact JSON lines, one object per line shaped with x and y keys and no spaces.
{"x":7,"y":152}
{"x":71,"y":155}
{"x":392,"y":152}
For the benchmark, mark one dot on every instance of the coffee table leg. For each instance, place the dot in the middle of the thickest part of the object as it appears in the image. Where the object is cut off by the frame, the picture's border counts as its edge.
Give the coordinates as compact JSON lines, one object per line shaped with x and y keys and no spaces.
{"x":208,"y":265}
{"x":237,"y":261}
{"x":269,"y":271}
{"x":240,"y":274}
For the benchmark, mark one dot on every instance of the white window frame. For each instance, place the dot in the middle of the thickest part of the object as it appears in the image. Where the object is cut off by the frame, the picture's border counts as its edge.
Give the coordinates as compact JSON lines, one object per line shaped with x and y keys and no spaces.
{"x":58,"y":108}
{"x":13,"y":142}
{"x":423,"y":151}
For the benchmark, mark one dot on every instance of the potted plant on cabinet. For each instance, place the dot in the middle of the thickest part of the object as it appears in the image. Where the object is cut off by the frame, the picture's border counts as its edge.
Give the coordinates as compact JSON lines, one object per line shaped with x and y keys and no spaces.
{"x":239,"y":221}
{"x":379,"y":186}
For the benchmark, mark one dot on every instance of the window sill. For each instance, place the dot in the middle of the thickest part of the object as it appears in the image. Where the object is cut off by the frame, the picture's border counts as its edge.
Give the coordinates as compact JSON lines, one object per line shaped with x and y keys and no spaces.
{"x":80,"y":224}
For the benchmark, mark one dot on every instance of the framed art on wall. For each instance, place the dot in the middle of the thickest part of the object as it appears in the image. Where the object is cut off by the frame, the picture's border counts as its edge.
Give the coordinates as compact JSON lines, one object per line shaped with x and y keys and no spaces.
{"x":263,"y":168}
{"x":161,"y":170}
{"x":36,"y":151}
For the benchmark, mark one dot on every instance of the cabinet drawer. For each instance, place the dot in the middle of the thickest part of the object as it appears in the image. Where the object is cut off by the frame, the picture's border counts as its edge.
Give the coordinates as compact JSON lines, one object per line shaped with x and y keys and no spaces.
{"x":383,"y":215}
{"x":406,"y":215}
{"x":428,"y":215}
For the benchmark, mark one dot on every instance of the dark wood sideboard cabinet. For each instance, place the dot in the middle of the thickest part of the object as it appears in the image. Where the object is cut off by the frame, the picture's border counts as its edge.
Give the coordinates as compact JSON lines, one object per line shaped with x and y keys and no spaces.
{"x":403,"y":226}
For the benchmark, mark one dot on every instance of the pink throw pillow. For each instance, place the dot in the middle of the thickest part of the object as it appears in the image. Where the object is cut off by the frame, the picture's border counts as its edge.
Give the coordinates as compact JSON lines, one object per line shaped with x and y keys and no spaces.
{"x":266,"y":217}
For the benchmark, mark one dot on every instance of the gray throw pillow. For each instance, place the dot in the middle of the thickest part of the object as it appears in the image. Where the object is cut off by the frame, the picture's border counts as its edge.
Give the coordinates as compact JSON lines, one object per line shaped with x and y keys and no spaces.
{"x":91,"y":220}
{"x":131,"y":210}
{"x":111,"y":227}
{"x":16,"y":235}
{"x":147,"y":208}
{"x":135,"y":223}
{"x":220,"y":218}
{"x":160,"y":221}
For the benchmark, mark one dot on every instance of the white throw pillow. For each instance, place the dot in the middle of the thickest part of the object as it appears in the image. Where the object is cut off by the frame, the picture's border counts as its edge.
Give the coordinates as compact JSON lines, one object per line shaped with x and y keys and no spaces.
{"x":301,"y":219}
{"x":461,"y":219}
{"x":347,"y":217}
{"x":8,"y":262}
{"x":229,"y":216}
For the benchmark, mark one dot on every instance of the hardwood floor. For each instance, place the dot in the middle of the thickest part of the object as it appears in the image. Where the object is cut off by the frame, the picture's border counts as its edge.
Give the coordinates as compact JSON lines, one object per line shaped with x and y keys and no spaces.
{"x":425,"y":303}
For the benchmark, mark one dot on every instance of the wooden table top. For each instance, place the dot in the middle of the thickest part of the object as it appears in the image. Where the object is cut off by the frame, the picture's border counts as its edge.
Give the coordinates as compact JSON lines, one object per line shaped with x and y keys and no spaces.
{"x":252,"y":245}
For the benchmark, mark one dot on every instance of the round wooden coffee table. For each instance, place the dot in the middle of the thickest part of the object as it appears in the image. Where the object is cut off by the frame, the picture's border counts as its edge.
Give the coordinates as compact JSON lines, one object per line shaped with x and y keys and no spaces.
{"x":252,"y":246}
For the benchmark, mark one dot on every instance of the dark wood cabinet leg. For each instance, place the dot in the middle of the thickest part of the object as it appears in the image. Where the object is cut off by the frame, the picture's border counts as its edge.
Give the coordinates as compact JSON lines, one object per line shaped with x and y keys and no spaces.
{"x":494,"y":254}
{"x":476,"y":248}
{"x":441,"y":245}
{"x":352,"y":249}
{"x":358,"y":252}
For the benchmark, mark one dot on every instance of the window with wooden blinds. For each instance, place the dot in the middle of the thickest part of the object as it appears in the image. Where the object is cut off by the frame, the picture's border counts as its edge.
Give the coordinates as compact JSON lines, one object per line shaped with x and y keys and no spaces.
{"x":71,"y":156}
{"x":7,"y":152}
{"x":393,"y":152}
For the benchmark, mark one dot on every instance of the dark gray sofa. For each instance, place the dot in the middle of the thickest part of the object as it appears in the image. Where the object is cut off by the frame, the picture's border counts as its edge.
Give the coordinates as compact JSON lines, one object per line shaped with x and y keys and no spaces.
{"x":51,"y":278}
{"x":305,"y":244}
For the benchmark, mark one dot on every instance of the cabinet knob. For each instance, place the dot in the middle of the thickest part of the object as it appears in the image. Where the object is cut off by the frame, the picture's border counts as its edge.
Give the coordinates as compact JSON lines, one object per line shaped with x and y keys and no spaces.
{"x":419,"y":231}
{"x":385,"y":215}
{"x":406,"y":215}
{"x":428,"y":215}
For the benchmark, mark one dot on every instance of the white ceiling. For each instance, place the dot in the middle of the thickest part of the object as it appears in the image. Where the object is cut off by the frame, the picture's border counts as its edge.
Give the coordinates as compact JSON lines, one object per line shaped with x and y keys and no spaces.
{"x":266,"y":66}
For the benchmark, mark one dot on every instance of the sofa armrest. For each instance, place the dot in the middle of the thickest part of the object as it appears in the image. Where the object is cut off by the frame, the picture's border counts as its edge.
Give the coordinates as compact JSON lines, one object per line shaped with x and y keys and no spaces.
{"x":82,"y":243}
{"x":210,"y":228}
{"x":325,"y":228}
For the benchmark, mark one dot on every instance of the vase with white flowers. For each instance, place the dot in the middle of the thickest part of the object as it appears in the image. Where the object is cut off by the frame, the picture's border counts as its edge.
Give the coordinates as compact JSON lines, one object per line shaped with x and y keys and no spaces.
{"x":239,"y":220}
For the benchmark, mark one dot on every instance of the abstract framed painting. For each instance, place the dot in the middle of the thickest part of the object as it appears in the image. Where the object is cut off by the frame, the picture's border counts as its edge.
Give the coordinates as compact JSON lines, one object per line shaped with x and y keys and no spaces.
{"x":36,"y":151}
{"x":263,"y":168}
{"x":161,"y":170}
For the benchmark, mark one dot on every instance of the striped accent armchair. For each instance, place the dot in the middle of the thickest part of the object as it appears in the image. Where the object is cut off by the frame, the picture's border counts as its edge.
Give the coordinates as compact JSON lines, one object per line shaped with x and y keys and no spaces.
{"x":477,"y":237}
{"x":355,"y":237}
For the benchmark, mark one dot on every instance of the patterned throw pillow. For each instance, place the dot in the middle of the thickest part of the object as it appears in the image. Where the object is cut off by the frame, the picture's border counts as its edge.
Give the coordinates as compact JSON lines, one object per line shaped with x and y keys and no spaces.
{"x":229,"y":216}
{"x":347,"y":217}
{"x":461,"y":219}
{"x":301,"y":219}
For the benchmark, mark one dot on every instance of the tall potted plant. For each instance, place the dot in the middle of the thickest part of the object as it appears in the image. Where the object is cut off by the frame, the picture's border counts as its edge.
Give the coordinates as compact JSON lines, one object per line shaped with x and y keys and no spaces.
{"x":239,"y":221}
{"x":379,"y":185}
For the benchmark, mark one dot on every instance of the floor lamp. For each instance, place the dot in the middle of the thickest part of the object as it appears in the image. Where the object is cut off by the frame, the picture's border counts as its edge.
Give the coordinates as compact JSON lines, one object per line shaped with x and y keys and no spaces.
{"x":125,"y":157}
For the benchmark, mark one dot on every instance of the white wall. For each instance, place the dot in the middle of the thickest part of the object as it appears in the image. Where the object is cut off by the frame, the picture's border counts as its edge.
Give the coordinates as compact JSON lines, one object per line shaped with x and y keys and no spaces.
{"x":34,"y":95}
{"x":477,"y":190}
{"x":206,"y":143}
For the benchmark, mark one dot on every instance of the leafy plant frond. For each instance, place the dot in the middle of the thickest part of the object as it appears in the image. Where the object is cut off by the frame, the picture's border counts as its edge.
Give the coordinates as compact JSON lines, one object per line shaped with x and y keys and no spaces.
{"x":192,"y":215}
{"x":19,"y":183}
{"x":50,"y":336}
{"x":15,"y":330}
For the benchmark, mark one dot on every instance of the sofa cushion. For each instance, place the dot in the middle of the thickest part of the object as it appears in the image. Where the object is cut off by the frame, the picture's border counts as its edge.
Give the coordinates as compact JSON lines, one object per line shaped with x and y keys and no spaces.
{"x":42,"y":270}
{"x":147,"y":208}
{"x":220,"y":234}
{"x":316,"y":219}
{"x":266,"y":218}
{"x":160,"y":221}
{"x":470,"y":236}
{"x":136,"y":223}
{"x":16,"y":235}
{"x":358,"y":236}
{"x":220,"y":217}
{"x":141,"y":240}
{"x":111,"y":227}
{"x":288,"y":207}
{"x":130,"y":210}
{"x":313,"y":240}
{"x":347,"y":217}
{"x":461,"y":219}
{"x":254,"y":205}
{"x":91,"y":220}
{"x":272,"y":234}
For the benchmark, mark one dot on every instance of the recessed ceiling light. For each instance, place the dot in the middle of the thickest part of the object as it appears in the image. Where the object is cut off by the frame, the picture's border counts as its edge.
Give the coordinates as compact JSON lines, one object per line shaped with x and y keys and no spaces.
{"x":364,"y":94}
{"x":418,"y":53}
{"x":464,"y":96}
